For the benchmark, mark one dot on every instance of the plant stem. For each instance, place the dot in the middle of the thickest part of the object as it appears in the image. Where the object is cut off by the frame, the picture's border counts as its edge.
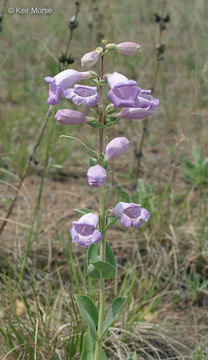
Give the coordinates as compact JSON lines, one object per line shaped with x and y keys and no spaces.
{"x":102,"y":226}
{"x":101,"y":281}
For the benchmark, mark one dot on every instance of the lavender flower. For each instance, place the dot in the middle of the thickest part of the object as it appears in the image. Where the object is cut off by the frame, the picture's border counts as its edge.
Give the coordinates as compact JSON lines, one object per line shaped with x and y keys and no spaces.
{"x":90,"y":59}
{"x":96,"y":175}
{"x":116,"y":147}
{"x":84,"y":230}
{"x":86,"y":224}
{"x":128,"y":48}
{"x":69,"y":117}
{"x":145,"y":106}
{"x":62,"y":81}
{"x":131,"y":214}
{"x":80,"y":94}
{"x":123,"y":91}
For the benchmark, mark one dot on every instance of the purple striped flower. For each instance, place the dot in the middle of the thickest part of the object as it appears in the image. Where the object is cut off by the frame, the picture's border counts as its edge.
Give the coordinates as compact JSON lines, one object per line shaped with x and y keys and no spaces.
{"x":86,"y":224}
{"x":146,"y":104}
{"x":69,"y":117}
{"x":96,"y":176}
{"x":123,"y":91}
{"x":81,"y":94}
{"x":131,"y":214}
{"x":62,"y":81}
{"x":84,"y":230}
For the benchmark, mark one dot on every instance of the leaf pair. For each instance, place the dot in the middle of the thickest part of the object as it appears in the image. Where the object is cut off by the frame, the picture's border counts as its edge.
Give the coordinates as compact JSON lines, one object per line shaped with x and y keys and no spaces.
{"x":89,"y":313}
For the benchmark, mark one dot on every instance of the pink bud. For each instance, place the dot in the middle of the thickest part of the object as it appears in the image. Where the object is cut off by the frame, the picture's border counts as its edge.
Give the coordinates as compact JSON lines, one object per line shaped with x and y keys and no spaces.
{"x":69,"y":117}
{"x":128,"y":48}
{"x":90,"y":59}
{"x":116,"y":147}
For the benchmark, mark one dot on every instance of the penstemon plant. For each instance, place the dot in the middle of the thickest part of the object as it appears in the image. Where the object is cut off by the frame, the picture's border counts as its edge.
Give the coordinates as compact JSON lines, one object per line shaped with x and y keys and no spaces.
{"x":127,"y":101}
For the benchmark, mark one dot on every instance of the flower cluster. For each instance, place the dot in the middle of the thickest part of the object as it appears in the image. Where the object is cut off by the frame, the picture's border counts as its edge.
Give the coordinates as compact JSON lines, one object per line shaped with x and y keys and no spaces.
{"x":128,"y":101}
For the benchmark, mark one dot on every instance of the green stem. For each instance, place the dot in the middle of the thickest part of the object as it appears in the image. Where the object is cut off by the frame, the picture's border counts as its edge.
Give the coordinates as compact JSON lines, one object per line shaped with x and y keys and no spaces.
{"x":101,"y":281}
{"x":102,"y":227}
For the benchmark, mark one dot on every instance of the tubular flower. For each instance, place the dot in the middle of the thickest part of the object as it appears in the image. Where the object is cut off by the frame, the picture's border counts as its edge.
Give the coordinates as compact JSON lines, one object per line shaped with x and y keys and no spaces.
{"x":96,"y":176}
{"x":128,"y":48}
{"x":86,"y":224}
{"x":62,"y":81}
{"x":116,"y":147}
{"x":145,"y":106}
{"x":123,"y":91}
{"x":90,"y":59}
{"x":69,"y":117}
{"x":84,"y":230}
{"x":81,"y":94}
{"x":131,"y":214}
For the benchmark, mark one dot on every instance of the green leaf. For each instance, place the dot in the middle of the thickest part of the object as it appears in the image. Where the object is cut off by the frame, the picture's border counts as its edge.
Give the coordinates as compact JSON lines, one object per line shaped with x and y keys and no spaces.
{"x":197,"y":155}
{"x":113,"y":313}
{"x":111,"y":221}
{"x":84,"y":211}
{"x":88,"y":347}
{"x":102,"y":82}
{"x":107,"y":270}
{"x":102,"y":355}
{"x":93,"y":255}
{"x":132,"y":356}
{"x":111,"y":121}
{"x":93,"y":74}
{"x":92,"y":161}
{"x":89,"y":312}
{"x":95,"y":124}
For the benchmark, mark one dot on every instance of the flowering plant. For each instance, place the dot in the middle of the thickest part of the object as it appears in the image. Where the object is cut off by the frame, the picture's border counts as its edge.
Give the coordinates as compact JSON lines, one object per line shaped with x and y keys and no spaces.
{"x":128,"y":101}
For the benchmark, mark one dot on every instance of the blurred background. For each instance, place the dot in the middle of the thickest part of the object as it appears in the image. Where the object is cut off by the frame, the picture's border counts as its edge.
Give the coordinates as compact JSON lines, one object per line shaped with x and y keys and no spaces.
{"x":163,"y":266}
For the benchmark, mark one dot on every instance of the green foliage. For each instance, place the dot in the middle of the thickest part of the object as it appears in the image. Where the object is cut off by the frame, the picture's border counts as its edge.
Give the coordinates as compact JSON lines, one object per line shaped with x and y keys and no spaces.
{"x":196,"y":171}
{"x":84,"y":211}
{"x":111,"y":220}
{"x":114,"y":312}
{"x":104,"y":269}
{"x":88,"y":347}
{"x":132,"y":356}
{"x":97,"y":268}
{"x":196,"y":285}
{"x":89,"y":312}
{"x":92,"y":161}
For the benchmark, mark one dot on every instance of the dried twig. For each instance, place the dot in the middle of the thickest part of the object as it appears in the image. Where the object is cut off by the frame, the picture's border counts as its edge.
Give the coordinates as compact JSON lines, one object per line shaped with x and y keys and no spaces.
{"x":67,"y":58}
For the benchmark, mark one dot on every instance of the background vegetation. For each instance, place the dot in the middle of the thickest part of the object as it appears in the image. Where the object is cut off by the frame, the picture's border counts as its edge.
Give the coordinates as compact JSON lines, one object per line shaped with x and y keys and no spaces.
{"x":163,"y":267}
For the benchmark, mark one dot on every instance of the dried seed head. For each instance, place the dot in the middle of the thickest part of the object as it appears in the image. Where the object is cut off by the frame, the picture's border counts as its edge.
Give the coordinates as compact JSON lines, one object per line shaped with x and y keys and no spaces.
{"x":160,"y":48}
{"x":157,"y":17}
{"x":73,"y":23}
{"x":167,"y":18}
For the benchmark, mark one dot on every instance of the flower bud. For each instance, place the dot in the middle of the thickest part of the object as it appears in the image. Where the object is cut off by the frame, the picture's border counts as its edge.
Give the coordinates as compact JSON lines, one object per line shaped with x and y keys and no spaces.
{"x":96,"y":176}
{"x":116,"y":147}
{"x":111,"y":47}
{"x":90,"y":59}
{"x":69,"y":117}
{"x":128,"y":48}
